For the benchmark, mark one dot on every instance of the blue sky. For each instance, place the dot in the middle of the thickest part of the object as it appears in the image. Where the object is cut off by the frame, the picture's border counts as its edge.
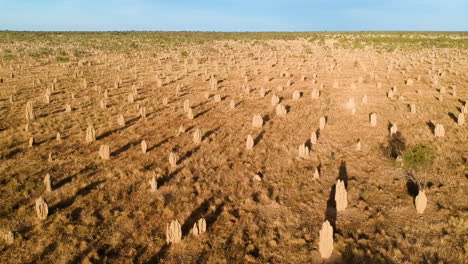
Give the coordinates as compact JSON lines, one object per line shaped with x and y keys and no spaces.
{"x":234,"y":15}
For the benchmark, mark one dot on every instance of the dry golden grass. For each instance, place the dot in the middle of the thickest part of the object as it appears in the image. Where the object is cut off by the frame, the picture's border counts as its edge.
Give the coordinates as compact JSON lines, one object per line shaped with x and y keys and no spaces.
{"x":261,"y":205}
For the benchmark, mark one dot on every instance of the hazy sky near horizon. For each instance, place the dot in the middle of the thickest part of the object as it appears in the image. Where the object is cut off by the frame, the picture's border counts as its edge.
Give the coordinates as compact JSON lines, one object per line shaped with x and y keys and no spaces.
{"x":234,"y":15}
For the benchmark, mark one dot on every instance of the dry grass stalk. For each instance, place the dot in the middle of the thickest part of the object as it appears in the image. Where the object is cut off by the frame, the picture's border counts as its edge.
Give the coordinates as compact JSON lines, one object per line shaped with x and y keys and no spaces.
{"x":31,"y":142}
{"x":413,"y":108}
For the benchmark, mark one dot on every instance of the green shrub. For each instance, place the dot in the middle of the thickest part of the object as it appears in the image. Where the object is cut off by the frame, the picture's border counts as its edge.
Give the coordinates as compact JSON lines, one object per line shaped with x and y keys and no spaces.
{"x":184,"y":53}
{"x":62,"y":59}
{"x":418,"y":157}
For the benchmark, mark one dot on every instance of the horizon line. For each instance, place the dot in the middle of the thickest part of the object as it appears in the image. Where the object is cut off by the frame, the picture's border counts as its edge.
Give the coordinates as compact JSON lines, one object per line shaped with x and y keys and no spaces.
{"x":215,"y":31}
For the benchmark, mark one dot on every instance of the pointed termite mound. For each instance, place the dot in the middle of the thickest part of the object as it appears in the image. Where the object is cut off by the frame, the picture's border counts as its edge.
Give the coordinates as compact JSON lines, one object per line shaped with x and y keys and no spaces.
{"x":190,"y":114}
{"x":186,"y":105}
{"x":250,"y":142}
{"x":232,"y":104}
{"x":281,"y":110}
{"x":153,"y":184}
{"x":48,"y":183}
{"x":29,"y":111}
{"x":326,"y":240}
{"x":316,"y":174}
{"x":358,"y":145}
{"x":373,"y":119}
{"x":42,"y":209}
{"x":313,"y":137}
{"x":439,"y":130}
{"x":173,"y":232}
{"x":304,"y":151}
{"x":257,"y":121}
{"x":8,"y":237}
{"x":296,"y":95}
{"x":351,"y":104}
{"x":341,"y":196}
{"x":315,"y":93}
{"x":197,"y":136}
{"x":393,"y":129}
{"x":420,"y":202}
{"x":461,"y":119}
{"x":121,"y":120}
{"x":104,"y":152}
{"x":322,"y":122}
{"x":144,"y":146}
{"x":199,"y":227}
{"x":90,"y":134}
{"x":274,"y":100}
{"x":173,"y":159}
